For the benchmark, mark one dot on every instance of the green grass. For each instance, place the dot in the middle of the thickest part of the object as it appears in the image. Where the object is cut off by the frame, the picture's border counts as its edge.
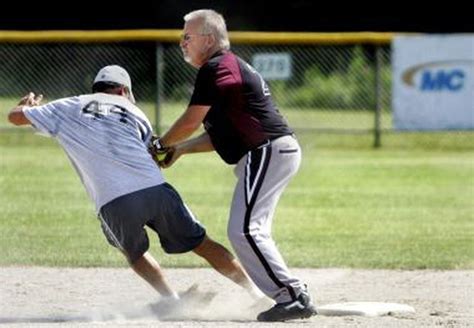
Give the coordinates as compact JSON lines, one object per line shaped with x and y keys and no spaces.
{"x":352,"y":129}
{"x":349,"y":206}
{"x":407,"y":205}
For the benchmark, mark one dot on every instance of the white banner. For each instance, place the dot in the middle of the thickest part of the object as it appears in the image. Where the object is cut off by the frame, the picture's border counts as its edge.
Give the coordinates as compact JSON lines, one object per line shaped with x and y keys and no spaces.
{"x":273,"y":66}
{"x":433,"y":82}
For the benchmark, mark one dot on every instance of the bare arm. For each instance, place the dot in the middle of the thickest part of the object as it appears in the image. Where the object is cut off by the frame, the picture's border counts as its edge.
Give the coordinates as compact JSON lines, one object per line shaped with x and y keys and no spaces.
{"x":185,"y":125}
{"x":16,"y":115}
{"x":200,"y":144}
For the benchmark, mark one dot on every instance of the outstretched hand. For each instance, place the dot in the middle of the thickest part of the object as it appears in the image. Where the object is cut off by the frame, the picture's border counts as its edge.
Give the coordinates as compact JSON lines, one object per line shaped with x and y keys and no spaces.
{"x":171,"y":156}
{"x":31,"y":100}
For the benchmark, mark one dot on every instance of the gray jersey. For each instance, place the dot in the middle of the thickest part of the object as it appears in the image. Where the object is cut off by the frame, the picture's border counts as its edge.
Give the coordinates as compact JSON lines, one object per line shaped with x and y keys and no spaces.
{"x":105,"y":137}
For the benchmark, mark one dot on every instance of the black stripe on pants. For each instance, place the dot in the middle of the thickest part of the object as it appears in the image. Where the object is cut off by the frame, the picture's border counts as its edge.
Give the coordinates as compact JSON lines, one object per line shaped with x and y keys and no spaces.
{"x":256,"y":157}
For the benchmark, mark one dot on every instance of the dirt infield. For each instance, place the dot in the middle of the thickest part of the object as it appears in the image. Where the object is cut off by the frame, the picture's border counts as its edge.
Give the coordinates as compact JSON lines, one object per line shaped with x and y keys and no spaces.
{"x":51,"y":297}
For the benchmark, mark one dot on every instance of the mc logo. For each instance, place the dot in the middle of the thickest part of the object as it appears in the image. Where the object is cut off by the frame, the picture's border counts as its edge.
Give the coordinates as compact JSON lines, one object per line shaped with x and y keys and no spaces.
{"x":442,"y":80}
{"x":438,"y":76}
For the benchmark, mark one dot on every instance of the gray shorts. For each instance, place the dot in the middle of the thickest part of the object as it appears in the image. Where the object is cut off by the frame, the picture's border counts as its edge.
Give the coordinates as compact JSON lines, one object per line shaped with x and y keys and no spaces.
{"x":161,"y":209}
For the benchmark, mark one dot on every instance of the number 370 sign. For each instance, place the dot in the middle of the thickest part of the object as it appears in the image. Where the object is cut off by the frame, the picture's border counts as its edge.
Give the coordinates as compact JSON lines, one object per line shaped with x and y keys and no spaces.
{"x":273,"y":66}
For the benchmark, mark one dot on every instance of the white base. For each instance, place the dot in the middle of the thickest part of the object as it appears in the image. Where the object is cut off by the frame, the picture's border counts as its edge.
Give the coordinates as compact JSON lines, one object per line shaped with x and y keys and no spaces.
{"x":371,"y":309}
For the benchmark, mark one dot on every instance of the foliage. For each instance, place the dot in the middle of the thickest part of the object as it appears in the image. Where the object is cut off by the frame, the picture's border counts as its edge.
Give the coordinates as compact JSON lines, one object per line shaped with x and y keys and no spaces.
{"x":345,"y":87}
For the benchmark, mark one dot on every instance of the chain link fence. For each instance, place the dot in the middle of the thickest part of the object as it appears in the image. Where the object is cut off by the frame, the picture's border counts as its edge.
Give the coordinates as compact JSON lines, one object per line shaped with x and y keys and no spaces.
{"x":333,"y":90}
{"x":325,"y":88}
{"x":66,"y":69}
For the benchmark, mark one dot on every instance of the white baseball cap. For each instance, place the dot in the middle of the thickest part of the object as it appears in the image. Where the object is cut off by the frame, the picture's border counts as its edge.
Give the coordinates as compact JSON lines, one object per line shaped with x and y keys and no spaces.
{"x":115,"y":74}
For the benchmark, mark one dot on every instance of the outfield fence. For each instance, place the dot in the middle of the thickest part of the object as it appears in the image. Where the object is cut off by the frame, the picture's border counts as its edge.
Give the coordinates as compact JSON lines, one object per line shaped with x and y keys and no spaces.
{"x":332,"y":83}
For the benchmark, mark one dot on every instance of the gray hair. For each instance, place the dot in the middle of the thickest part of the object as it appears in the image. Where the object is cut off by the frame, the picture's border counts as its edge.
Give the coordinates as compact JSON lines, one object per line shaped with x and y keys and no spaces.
{"x":212,"y":23}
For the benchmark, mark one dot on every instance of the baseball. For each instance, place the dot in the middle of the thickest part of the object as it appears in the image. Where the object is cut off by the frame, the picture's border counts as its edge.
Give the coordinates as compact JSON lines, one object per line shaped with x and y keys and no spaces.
{"x":160,"y":156}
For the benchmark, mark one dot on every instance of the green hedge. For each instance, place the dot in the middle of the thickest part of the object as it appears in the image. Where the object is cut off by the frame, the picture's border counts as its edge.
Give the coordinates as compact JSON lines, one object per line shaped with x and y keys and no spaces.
{"x":350,"y":87}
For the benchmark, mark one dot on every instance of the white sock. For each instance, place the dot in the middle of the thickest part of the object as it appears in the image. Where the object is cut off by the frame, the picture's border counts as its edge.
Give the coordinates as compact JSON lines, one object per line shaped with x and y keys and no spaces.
{"x":256,"y":293}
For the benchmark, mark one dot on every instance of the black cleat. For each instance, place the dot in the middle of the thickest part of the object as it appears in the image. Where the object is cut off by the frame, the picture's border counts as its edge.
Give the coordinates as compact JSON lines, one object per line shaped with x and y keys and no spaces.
{"x":301,"y":308}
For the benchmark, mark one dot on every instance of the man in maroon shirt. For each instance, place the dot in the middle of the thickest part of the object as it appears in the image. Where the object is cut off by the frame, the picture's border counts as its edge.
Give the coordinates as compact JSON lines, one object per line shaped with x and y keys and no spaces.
{"x":243,"y":125}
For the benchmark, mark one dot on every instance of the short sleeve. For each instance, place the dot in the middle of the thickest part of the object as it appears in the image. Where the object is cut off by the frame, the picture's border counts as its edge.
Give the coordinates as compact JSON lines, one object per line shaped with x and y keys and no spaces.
{"x":204,"y":87}
{"x":47,"y":118}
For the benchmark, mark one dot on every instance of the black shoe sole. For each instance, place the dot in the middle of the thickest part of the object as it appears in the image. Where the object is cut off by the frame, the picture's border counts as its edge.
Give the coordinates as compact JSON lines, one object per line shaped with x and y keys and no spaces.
{"x":308,"y":313}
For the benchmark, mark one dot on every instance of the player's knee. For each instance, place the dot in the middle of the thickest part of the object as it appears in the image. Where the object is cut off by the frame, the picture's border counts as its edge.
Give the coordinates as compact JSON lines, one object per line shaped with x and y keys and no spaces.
{"x":205,"y":247}
{"x":236,"y":237}
{"x":132,"y":257}
{"x":135,"y":250}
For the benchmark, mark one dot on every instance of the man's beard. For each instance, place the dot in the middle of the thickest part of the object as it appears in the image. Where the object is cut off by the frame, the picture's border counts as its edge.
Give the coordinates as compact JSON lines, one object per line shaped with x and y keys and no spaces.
{"x":187,"y":59}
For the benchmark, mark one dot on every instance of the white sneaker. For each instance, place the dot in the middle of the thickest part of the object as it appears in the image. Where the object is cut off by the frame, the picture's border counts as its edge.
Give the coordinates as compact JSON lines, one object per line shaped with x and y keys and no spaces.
{"x":188,"y":302}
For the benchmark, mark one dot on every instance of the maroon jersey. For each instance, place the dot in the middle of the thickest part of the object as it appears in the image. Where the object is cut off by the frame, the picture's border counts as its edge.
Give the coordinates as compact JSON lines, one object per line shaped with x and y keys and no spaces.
{"x":242,"y":114}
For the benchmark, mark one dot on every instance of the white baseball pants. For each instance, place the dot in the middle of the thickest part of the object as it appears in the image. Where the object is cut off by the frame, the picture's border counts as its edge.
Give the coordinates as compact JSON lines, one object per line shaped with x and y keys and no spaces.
{"x":263,"y":174}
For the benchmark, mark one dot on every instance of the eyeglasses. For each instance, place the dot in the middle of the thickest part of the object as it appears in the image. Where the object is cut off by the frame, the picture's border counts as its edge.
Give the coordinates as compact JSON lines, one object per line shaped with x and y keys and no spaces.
{"x":187,"y":37}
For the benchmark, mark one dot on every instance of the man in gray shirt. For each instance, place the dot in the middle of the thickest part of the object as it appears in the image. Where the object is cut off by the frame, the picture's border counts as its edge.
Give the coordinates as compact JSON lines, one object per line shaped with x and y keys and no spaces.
{"x":105,"y":136}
